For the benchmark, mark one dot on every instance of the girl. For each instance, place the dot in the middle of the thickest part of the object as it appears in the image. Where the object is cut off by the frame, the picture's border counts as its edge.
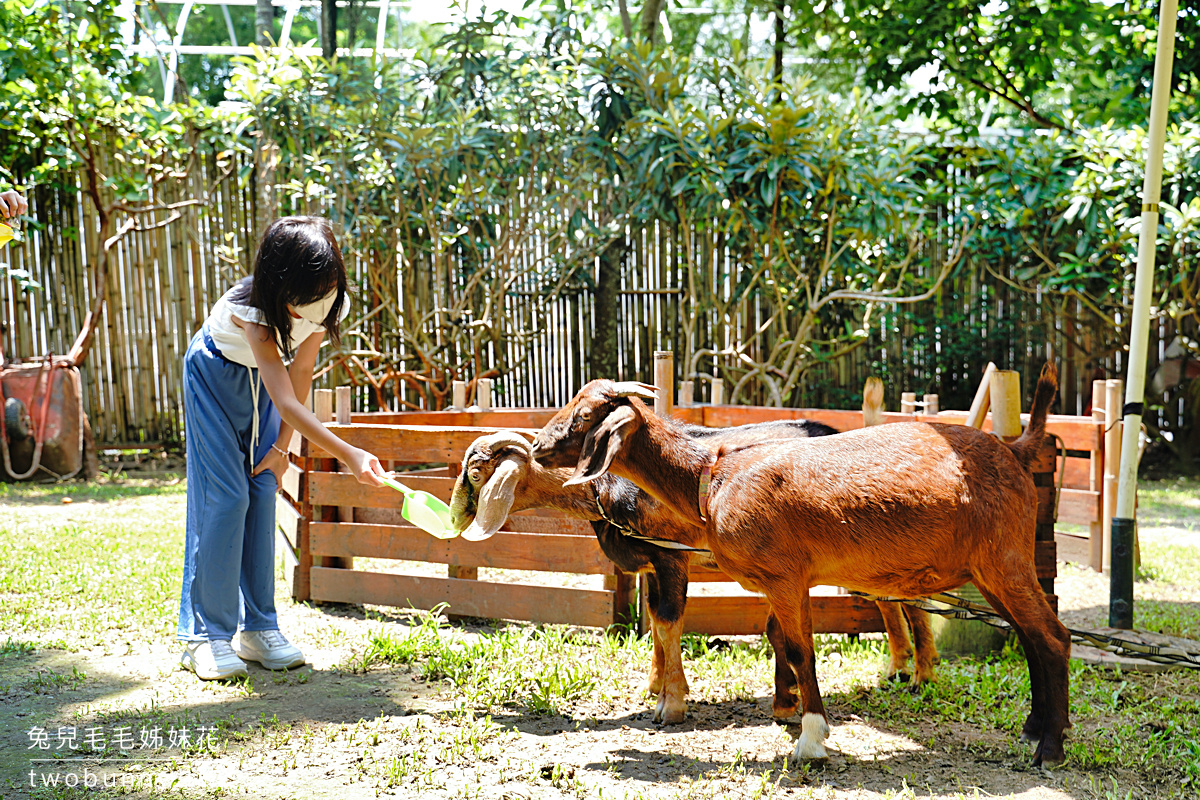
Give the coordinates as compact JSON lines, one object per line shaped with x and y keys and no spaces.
{"x":237,"y":438}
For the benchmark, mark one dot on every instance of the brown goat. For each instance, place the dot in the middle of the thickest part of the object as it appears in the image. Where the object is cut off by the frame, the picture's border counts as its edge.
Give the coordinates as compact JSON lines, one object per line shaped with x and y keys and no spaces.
{"x":904,"y":510}
{"x":500,"y":477}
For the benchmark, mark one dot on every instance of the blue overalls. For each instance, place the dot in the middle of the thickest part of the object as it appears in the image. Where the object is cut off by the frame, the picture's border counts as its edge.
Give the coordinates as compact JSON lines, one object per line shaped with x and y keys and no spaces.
{"x":229,"y":553}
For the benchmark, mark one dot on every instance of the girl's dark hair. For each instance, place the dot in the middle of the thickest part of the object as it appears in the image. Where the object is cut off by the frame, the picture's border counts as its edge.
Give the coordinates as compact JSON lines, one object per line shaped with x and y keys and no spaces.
{"x":298,"y":262}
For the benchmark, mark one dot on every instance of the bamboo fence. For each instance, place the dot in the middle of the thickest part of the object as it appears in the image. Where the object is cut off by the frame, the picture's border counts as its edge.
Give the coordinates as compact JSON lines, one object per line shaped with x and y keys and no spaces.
{"x":164,"y":280}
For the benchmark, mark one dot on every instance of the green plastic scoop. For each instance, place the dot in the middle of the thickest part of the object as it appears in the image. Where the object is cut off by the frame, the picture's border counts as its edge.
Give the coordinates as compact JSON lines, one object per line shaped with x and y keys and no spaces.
{"x":424,"y":510}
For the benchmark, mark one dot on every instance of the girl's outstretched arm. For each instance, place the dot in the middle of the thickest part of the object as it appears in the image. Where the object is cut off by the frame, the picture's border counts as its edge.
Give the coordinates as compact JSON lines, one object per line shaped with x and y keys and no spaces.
{"x":282,"y":388}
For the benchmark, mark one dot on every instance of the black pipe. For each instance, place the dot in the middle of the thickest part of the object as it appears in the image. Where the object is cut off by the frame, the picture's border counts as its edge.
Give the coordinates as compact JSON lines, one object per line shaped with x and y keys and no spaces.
{"x":1120,"y":575}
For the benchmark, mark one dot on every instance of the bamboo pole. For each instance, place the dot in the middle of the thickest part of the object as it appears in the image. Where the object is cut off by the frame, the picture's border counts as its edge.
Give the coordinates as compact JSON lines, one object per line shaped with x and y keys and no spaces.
{"x":664,"y":379}
{"x":983,"y":398}
{"x":1006,"y":403}
{"x":1120,"y":606}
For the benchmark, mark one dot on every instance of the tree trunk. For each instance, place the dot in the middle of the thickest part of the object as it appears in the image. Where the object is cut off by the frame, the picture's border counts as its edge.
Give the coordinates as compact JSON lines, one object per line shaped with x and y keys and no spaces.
{"x":602,"y":362}
{"x":777,"y":74}
{"x":650,"y":14}
{"x":626,"y":22}
{"x":264,"y":18}
{"x":329,"y":28}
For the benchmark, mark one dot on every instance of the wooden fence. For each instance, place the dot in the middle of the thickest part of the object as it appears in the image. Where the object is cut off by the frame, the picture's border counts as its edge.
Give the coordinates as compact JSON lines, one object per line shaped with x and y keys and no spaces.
{"x":163,"y":281}
{"x":328,"y":519}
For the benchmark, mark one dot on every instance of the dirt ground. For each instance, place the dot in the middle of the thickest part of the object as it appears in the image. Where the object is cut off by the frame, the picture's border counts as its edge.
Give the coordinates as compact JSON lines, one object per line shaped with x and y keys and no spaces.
{"x":325,"y":731}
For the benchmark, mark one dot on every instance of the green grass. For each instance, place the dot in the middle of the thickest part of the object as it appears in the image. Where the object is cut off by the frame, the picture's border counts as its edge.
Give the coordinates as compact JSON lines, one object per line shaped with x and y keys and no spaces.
{"x":1173,"y":500}
{"x":76,"y":574}
{"x":81,"y":574}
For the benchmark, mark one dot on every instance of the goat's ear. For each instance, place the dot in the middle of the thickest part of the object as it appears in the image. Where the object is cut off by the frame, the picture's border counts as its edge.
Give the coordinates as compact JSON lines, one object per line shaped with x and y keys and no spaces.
{"x":634,"y":389}
{"x":495,"y":499}
{"x":462,"y":504}
{"x":602,"y":444}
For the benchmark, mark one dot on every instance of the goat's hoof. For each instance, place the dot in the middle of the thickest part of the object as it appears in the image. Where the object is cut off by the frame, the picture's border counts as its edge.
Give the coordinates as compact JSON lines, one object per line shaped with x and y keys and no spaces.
{"x":897,"y":676}
{"x":781,"y":714}
{"x":810,"y":746}
{"x":668,"y":713}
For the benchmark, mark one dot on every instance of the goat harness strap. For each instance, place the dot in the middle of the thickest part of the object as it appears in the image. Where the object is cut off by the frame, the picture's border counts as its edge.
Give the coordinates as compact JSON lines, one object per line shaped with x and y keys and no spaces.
{"x":666,"y":544}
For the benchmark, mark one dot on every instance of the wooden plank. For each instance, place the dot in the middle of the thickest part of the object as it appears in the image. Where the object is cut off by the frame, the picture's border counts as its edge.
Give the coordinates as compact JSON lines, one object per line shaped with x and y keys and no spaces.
{"x":293,"y":482}
{"x":408,"y":443}
{"x":1075,"y":549}
{"x":287,"y":518}
{"x":702,"y":573}
{"x":747,"y":615}
{"x":1077,"y":472}
{"x":499,"y":418}
{"x":343,"y":489}
{"x":1044,"y":559}
{"x":515,"y":601}
{"x":1077,"y":433}
{"x":1078,"y":506}
{"x":532,"y":551}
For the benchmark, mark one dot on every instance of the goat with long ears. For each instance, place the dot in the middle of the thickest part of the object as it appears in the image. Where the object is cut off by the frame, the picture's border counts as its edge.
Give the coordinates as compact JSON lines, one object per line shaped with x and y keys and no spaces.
{"x":901,"y":510}
{"x":500,"y":477}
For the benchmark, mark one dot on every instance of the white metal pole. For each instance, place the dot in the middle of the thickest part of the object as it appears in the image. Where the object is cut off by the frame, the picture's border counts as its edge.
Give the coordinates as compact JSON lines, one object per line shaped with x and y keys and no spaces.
{"x":173,"y":69}
{"x":1120,"y":607}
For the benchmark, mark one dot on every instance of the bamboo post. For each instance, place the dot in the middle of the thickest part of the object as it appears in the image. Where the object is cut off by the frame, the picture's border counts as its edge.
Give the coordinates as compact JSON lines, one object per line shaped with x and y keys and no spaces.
{"x":1113,"y":390}
{"x":1096,"y":528}
{"x":983,"y":398}
{"x":1120,"y":601}
{"x":1006,"y":403}
{"x":685,"y":393}
{"x":664,"y":379}
{"x":972,"y":636}
{"x":908,"y":402}
{"x":931,"y":404}
{"x":343,"y":405}
{"x":458,"y":396}
{"x":323,"y":405}
{"x":483,"y":394}
{"x":718,"y":392}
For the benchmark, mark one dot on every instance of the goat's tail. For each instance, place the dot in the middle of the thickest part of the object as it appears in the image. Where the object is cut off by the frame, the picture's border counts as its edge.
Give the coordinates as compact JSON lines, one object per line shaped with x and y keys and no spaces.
{"x":872,"y":402}
{"x":1026,"y":447}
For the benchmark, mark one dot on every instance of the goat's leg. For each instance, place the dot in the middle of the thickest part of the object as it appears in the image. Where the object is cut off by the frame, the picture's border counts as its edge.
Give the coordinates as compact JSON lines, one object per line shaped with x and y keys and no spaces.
{"x":899,"y":647}
{"x":1047,"y":649}
{"x":668,"y":618}
{"x":1031,"y":731}
{"x":654,"y":686}
{"x":786,"y":699}
{"x":926,"y":651}
{"x":794,"y":627}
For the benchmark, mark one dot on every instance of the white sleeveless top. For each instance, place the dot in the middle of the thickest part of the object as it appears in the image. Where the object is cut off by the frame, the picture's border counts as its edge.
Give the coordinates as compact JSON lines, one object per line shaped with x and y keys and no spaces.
{"x":231,"y":339}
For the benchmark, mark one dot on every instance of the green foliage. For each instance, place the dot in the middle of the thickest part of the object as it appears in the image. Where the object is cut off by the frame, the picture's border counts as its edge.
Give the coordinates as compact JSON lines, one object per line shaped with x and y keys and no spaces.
{"x":509,"y":136}
{"x":1057,"y":65}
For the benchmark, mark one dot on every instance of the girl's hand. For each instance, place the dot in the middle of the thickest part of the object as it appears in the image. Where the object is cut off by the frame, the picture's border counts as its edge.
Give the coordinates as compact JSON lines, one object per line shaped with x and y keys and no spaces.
{"x":12,"y":204}
{"x":274,"y":461}
{"x":366,"y":467}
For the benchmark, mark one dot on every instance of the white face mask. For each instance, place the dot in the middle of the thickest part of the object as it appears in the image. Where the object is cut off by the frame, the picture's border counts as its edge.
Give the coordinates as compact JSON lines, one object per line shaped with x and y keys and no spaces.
{"x":318,"y":311}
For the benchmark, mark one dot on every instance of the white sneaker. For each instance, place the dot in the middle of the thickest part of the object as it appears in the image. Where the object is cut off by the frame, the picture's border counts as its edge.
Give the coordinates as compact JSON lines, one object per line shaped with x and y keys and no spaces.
{"x":213,"y":660}
{"x":269,"y":648}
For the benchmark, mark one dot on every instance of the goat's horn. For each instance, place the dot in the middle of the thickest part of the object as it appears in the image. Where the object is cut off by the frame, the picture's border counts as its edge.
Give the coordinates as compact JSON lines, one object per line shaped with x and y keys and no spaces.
{"x":501,"y":439}
{"x":634,"y":389}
